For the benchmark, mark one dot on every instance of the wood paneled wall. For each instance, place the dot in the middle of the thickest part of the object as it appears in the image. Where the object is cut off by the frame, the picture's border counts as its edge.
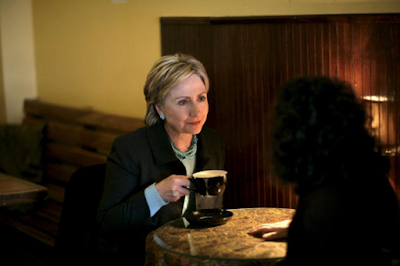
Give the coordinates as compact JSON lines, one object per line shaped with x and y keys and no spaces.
{"x":249,"y":58}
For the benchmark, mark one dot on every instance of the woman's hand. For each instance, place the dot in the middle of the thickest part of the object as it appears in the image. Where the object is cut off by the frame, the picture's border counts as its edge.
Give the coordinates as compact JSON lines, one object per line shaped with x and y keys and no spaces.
{"x":272,"y":231}
{"x":172,"y":188}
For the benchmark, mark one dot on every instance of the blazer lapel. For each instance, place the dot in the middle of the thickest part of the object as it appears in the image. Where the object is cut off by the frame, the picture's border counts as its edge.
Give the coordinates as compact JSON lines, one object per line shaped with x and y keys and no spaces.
{"x":162,"y":150}
{"x":203,"y":155}
{"x":160,"y":144}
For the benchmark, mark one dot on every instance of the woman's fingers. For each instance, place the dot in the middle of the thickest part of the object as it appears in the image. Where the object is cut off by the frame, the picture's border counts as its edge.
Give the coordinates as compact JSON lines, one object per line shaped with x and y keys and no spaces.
{"x":272,"y":231}
{"x":173,"y":188}
{"x":270,"y":236}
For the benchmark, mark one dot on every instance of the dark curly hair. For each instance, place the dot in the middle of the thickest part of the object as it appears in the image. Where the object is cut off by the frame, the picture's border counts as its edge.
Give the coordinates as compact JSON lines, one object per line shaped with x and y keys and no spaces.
{"x":319,"y":134}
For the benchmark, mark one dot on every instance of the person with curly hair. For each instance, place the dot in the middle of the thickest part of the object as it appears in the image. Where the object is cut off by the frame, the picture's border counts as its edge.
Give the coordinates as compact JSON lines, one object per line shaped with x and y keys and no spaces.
{"x":321,"y":145}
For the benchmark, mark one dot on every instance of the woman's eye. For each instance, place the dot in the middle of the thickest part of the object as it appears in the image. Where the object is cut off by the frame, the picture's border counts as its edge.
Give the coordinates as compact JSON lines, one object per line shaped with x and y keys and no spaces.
{"x":183,"y":102}
{"x":202,"y":98}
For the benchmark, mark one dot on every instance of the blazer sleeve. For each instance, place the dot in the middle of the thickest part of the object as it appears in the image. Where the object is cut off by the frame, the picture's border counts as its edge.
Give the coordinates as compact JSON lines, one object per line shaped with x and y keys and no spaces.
{"x":123,"y":204}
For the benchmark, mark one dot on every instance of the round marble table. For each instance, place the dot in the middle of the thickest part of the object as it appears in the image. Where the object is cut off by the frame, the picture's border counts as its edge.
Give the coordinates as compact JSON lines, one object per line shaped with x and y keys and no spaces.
{"x":179,"y":243}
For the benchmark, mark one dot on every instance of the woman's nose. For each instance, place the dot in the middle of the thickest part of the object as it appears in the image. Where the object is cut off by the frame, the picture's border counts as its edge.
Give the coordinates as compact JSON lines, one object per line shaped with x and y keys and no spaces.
{"x":194,"y":110}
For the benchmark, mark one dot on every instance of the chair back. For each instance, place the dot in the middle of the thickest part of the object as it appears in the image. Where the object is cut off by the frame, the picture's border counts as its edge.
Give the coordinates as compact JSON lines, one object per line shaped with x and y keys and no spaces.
{"x":77,"y":231}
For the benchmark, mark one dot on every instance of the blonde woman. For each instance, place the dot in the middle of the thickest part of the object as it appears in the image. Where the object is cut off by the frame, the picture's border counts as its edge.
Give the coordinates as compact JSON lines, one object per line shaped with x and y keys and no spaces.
{"x":148,"y":169}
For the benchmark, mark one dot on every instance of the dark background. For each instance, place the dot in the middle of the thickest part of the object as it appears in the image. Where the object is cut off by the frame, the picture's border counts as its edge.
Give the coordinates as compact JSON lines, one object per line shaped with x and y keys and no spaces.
{"x":248,"y":58}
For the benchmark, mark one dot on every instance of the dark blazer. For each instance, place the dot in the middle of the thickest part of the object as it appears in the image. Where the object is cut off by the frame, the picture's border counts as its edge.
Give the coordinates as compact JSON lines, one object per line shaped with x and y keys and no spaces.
{"x":353,"y":224}
{"x":137,"y":160}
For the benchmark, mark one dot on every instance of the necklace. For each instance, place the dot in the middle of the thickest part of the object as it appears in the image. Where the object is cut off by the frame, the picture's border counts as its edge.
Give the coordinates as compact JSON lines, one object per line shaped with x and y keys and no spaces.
{"x":186,"y":155}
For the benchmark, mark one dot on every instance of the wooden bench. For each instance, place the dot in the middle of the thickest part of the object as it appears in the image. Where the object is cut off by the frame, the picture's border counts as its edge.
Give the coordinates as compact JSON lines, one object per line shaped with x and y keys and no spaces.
{"x":73,"y":138}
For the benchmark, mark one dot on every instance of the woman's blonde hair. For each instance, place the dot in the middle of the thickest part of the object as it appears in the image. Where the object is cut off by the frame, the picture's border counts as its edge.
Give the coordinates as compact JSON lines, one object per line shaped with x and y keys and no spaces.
{"x":165,"y":74}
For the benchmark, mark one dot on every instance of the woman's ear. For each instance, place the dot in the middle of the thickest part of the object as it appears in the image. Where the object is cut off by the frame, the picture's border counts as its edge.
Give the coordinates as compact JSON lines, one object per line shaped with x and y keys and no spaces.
{"x":158,"y":108}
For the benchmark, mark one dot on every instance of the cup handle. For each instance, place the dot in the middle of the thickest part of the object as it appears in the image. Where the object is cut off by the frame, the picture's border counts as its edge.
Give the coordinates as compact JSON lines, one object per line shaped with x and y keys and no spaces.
{"x":191,"y":180}
{"x":191,"y":190}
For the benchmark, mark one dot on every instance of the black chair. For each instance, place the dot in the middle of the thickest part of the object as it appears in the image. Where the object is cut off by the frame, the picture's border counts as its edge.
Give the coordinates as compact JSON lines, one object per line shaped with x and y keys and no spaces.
{"x":77,"y":231}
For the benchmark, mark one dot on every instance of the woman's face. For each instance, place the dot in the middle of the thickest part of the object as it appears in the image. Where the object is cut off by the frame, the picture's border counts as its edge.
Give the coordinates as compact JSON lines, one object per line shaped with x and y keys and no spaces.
{"x":185,"y":107}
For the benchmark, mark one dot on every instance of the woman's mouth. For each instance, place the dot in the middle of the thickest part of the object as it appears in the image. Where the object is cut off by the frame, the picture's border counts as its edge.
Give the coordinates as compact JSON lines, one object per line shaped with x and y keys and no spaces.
{"x":195,"y":123}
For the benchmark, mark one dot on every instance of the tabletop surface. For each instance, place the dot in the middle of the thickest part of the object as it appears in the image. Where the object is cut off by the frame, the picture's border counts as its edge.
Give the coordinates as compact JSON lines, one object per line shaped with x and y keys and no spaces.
{"x":229,"y":241}
{"x":15,"y":190}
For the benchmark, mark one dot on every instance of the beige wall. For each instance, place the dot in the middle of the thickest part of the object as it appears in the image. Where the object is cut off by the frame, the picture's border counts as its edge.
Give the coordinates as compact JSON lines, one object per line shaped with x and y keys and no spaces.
{"x":2,"y":103}
{"x":96,"y":53}
{"x":17,"y":57}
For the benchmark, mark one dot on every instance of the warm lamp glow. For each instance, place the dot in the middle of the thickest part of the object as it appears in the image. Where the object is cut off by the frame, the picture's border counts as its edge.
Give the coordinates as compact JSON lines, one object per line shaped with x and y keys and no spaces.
{"x":380,"y":108}
{"x":377,"y":98}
